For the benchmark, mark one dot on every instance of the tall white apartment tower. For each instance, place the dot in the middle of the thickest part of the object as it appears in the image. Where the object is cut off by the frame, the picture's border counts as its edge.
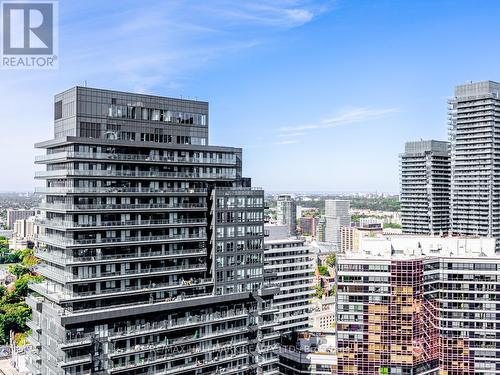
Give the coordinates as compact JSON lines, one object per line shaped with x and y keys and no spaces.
{"x":337,"y":216}
{"x":287,"y":213}
{"x":425,"y":187}
{"x":474,"y":132}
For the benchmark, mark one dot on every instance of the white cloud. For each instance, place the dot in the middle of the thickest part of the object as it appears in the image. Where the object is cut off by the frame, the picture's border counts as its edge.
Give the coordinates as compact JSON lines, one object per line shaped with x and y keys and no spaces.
{"x":266,"y":13}
{"x":170,"y":40}
{"x":297,"y":134}
{"x":350,"y":116}
{"x":287,"y":142}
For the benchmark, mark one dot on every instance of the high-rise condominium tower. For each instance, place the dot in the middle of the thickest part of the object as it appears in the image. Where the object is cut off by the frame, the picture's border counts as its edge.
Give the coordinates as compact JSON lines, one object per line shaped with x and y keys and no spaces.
{"x":152,"y":244}
{"x":288,"y":262}
{"x":337,"y":216}
{"x":425,"y":187}
{"x":474,"y":127}
{"x":287,"y":213}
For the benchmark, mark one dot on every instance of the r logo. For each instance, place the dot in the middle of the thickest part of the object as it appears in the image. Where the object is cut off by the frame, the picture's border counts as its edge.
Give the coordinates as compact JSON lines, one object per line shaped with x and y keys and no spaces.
{"x":28,"y":28}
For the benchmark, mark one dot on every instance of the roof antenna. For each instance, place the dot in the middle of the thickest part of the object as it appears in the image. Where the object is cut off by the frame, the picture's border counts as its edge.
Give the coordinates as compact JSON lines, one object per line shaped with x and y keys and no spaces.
{"x":85,"y":83}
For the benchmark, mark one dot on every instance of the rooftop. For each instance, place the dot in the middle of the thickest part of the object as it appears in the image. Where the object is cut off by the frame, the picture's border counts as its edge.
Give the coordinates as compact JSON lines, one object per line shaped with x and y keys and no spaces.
{"x":387,"y":247}
{"x":473,"y":89}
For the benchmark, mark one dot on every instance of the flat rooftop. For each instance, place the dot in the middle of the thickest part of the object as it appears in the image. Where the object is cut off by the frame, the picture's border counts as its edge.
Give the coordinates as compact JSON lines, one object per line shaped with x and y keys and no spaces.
{"x":418,"y":246}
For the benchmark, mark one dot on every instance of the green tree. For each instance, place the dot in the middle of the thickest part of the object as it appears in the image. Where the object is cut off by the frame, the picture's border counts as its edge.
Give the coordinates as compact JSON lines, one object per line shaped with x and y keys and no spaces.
{"x":4,"y":242}
{"x":20,"y":291}
{"x":331,"y":260}
{"x":318,"y":291}
{"x":323,"y":271}
{"x":18,"y":270}
{"x":13,"y":318}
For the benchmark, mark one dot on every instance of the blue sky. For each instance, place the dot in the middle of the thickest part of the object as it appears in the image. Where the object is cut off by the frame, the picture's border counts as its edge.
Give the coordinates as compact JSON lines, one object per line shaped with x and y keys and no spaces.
{"x":322,"y":95}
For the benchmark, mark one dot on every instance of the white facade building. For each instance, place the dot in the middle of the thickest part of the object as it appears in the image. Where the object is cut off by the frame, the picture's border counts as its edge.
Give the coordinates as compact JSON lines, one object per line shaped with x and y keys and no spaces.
{"x":475,"y":155}
{"x":425,"y":187}
{"x":337,"y":216}
{"x":288,"y":262}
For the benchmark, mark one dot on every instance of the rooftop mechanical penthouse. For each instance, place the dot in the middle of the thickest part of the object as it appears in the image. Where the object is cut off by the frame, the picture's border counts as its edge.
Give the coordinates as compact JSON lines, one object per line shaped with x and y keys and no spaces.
{"x":151,"y":244}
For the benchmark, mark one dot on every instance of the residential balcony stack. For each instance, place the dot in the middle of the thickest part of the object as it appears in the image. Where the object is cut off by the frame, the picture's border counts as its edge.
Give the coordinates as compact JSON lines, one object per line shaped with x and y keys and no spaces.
{"x":151,"y":244}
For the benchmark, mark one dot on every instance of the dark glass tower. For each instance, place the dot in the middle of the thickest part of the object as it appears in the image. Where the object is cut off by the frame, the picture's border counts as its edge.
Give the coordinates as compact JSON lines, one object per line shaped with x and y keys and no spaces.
{"x":151,"y":244}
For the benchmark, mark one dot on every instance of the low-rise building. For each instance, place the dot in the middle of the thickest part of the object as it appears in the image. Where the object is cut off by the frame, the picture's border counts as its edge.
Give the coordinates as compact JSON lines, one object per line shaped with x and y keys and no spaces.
{"x":350,"y":237}
{"x":371,"y":223}
{"x":313,"y":354}
{"x":25,"y":228}
{"x":308,"y":225}
{"x":323,"y":318}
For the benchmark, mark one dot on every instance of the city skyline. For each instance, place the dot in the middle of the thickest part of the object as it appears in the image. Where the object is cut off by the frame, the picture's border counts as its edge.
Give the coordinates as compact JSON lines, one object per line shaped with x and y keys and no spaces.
{"x":242,"y":61}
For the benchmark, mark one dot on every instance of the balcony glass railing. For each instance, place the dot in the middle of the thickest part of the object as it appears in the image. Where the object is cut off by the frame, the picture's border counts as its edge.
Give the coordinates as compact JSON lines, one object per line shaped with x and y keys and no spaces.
{"x":68,"y":360}
{"x":178,"y":323}
{"x":127,"y":305}
{"x":62,"y":275}
{"x":153,"y":359}
{"x":63,"y":241}
{"x":62,"y":258}
{"x":133,"y":174}
{"x":127,"y":223}
{"x":134,"y":157}
{"x":115,"y":189}
{"x":146,"y":206}
{"x":203,"y":347}
{"x":44,"y":288}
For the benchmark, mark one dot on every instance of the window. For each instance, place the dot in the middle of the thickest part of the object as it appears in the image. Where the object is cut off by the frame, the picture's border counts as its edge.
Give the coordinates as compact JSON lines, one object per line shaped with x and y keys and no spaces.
{"x":90,"y":130}
{"x":58,"y":110}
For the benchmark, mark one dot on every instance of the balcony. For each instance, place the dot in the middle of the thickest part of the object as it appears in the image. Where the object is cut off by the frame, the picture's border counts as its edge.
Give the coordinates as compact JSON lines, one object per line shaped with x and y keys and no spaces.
{"x":128,"y":306}
{"x":78,"y":339}
{"x":33,"y":325}
{"x":44,"y":289}
{"x":169,"y":343}
{"x":64,"y":277}
{"x":60,"y":156}
{"x":173,"y":370}
{"x":74,"y":361}
{"x":120,"y":241}
{"x":117,"y":190}
{"x":62,"y":173}
{"x":126,"y":223}
{"x":175,"y":324}
{"x":124,"y":207}
{"x":63,"y":259}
